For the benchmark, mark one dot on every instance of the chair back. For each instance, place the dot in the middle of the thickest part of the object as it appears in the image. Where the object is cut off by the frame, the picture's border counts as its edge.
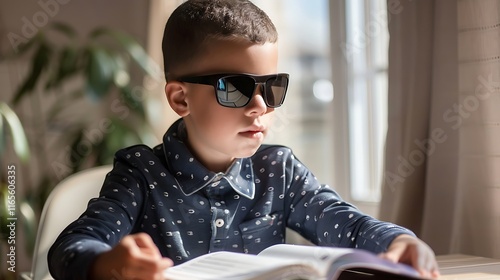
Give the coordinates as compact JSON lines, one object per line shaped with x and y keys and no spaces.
{"x":67,"y":201}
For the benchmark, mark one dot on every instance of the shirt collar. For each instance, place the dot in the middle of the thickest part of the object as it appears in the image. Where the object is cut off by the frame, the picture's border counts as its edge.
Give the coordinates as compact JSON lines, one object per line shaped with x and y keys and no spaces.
{"x":191,"y":176}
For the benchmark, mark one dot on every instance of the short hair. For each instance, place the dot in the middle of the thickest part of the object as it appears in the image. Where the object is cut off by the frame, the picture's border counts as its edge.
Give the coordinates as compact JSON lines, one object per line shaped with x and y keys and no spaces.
{"x":196,"y":23}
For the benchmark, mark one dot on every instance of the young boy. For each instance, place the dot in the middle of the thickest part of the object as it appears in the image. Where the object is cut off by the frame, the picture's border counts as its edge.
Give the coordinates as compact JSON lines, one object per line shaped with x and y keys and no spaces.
{"x":212,"y":185}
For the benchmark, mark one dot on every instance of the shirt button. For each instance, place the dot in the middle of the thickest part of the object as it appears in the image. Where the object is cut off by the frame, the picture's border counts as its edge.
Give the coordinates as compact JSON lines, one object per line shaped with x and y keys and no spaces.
{"x":219,"y":222}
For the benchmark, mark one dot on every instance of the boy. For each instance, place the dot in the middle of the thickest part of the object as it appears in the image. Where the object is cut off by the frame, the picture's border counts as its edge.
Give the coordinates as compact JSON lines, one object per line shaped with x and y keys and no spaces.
{"x":211,"y":185}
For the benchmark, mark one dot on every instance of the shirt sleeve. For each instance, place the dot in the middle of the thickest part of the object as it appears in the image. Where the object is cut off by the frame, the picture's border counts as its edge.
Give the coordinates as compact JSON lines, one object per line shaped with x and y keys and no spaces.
{"x":104,"y":223}
{"x":319,"y":214}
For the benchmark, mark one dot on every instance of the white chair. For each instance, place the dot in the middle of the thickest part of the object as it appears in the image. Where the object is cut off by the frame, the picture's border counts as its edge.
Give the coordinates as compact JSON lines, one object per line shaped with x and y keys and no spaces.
{"x":66,"y":203}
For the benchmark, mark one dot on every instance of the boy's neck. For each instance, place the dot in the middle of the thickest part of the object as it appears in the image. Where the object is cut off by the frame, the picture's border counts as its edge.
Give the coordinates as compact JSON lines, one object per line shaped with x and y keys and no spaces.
{"x":214,"y":166}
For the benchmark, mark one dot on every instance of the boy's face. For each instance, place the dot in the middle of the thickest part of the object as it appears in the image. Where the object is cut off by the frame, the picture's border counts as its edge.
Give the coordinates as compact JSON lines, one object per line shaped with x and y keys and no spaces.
{"x":218,"y":134}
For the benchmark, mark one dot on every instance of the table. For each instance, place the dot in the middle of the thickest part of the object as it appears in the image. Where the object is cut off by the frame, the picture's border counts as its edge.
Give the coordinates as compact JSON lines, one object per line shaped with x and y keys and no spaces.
{"x":462,"y":267}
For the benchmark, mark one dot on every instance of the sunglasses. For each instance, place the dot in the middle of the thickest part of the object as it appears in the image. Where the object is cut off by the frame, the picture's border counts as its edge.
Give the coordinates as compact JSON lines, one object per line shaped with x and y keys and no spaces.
{"x":236,"y":90}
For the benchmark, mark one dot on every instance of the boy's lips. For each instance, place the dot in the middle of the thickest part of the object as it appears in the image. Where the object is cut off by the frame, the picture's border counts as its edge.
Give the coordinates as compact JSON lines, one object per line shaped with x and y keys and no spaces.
{"x":255,"y":131}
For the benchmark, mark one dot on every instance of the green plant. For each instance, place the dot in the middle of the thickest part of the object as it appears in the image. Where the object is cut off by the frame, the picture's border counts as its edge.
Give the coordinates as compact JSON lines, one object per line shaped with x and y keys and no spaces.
{"x":75,"y":87}
{"x":100,"y":64}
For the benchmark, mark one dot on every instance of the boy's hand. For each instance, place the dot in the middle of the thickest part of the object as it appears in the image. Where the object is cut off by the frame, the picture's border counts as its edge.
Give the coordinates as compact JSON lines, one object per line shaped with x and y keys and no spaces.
{"x":413,"y":251}
{"x":135,"y":257}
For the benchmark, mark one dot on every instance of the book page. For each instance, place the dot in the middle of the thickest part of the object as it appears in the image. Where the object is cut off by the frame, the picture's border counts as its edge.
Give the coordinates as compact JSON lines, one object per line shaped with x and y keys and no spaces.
{"x":321,"y":258}
{"x":230,"y":265}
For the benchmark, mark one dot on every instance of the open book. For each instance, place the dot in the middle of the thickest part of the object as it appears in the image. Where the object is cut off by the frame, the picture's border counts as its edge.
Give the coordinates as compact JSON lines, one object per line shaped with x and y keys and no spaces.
{"x":286,"y":261}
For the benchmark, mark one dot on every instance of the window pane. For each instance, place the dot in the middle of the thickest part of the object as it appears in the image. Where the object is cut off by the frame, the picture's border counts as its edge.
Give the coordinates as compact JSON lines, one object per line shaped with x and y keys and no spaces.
{"x":367,"y":38}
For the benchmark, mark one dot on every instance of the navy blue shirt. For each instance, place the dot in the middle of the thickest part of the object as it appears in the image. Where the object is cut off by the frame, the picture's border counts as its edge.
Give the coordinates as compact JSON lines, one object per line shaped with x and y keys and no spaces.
{"x":190,"y":211}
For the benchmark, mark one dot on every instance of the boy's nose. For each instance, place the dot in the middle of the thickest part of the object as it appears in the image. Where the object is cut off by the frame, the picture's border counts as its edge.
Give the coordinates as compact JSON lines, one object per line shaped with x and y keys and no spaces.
{"x":257,"y":104}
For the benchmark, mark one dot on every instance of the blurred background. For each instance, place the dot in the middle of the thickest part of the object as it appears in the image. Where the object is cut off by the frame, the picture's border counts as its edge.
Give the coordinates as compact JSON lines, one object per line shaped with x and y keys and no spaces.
{"x":85,"y":79}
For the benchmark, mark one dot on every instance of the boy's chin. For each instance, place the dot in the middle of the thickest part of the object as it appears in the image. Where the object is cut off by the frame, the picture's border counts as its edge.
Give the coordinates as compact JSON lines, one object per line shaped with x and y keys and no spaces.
{"x":248,"y":152}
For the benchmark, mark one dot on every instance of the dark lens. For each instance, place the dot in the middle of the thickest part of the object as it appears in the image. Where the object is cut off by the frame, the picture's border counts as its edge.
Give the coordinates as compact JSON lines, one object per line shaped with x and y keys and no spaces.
{"x":276,"y":90}
{"x":235,"y":91}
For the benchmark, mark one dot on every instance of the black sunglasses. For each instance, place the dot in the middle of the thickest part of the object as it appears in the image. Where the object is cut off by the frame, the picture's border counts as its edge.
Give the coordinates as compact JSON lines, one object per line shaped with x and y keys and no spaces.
{"x":236,"y":90}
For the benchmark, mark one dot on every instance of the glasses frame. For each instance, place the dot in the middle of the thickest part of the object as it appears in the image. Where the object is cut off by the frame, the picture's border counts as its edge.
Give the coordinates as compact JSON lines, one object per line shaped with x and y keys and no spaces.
{"x":212,"y":80}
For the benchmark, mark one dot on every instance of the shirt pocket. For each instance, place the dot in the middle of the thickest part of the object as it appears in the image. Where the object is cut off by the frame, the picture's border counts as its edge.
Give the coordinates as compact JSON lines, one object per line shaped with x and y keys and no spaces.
{"x":262,"y":232}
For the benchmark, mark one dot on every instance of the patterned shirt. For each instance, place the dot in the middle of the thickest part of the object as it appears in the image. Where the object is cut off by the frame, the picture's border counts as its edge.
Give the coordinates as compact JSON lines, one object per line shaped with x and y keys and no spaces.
{"x":189,"y":210}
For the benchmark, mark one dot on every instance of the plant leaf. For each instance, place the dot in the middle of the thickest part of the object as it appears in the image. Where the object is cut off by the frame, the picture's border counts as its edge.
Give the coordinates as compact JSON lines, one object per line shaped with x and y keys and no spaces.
{"x":134,"y":101}
{"x":67,"y":65}
{"x":136,"y":51}
{"x":23,"y":48}
{"x":20,"y":142}
{"x":3,"y":141}
{"x":64,"y":28}
{"x":40,"y":62}
{"x":77,"y":159}
{"x":147,"y":135}
{"x":123,"y":135}
{"x":4,"y":211}
{"x":121,"y":77}
{"x":30,"y":222}
{"x":99,"y":72}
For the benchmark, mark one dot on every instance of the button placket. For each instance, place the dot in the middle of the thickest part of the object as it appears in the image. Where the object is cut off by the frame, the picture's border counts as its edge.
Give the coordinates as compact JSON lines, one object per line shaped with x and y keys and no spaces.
{"x":216,"y":192}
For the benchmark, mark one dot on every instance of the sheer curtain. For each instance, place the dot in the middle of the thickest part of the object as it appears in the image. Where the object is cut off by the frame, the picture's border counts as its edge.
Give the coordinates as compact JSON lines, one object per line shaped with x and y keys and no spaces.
{"x":442,"y":174}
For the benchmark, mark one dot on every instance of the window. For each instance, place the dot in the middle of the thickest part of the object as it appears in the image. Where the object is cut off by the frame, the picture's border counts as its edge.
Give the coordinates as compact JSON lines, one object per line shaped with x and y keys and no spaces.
{"x":339,"y":137}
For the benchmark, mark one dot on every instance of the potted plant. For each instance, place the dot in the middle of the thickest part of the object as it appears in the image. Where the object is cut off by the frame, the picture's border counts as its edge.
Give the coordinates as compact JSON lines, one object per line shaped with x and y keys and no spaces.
{"x":84,"y":96}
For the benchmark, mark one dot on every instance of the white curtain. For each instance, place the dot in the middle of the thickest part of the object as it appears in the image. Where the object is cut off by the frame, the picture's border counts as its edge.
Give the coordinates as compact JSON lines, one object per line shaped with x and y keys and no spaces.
{"x":442,"y":175}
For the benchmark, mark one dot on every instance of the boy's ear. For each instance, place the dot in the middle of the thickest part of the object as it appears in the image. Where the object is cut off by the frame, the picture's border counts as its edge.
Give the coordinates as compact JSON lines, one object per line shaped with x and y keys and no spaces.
{"x":176,"y":97}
